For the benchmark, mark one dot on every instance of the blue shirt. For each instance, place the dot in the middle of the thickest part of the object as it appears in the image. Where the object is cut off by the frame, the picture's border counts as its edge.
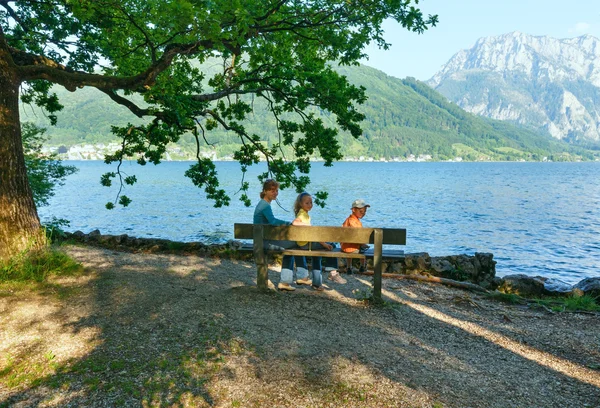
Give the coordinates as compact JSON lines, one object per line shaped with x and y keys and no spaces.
{"x":263,"y":214}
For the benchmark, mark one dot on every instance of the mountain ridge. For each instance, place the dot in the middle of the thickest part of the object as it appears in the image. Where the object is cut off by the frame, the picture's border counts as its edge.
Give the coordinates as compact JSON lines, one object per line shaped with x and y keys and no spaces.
{"x":536,"y":81}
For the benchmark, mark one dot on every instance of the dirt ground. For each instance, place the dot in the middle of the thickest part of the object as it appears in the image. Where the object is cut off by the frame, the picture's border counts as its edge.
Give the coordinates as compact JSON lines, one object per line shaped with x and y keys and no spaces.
{"x":171,"y":330}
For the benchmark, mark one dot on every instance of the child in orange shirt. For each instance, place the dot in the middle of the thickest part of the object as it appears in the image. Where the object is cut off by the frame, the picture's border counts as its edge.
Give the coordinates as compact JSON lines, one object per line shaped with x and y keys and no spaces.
{"x":359,"y":209}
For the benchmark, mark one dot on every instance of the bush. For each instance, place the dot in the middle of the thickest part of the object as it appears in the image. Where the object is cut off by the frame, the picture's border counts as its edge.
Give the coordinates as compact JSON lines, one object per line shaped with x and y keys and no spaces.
{"x":54,"y":229}
{"x":38,"y":266}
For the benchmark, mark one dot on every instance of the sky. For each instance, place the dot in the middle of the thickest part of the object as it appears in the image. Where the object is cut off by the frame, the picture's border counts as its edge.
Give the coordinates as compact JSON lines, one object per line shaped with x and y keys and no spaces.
{"x":463,"y":22}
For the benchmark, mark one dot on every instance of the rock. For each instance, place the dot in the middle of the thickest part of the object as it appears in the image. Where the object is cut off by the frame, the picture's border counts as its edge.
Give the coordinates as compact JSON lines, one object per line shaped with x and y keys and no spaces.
{"x":465,"y":268}
{"x":121,"y":239}
{"x":106,"y":239}
{"x":522,"y":285}
{"x":487,"y":266}
{"x":442,"y":266}
{"x":556,"y":287}
{"x":92,"y":236}
{"x":480,"y":269}
{"x":233,"y":244}
{"x":409,"y":261}
{"x":423,"y":261}
{"x":590,"y":286}
{"x":495,"y":283}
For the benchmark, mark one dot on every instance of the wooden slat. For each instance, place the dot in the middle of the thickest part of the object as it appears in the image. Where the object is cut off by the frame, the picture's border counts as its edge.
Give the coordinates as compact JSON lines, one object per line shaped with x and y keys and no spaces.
{"x":242,"y":231}
{"x":325,"y":254}
{"x":302,"y":233}
{"x":387,"y":253}
{"x":327,"y":234}
{"x":391,"y":236}
{"x":336,"y":253}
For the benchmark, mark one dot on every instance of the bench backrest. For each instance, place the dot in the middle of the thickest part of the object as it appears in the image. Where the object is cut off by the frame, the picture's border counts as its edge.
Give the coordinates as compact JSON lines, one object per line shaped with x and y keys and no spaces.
{"x":391,"y":236}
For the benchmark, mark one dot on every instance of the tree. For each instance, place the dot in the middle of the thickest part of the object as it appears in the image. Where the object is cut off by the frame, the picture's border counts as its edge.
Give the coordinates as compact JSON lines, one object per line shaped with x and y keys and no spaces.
{"x":277,"y":50}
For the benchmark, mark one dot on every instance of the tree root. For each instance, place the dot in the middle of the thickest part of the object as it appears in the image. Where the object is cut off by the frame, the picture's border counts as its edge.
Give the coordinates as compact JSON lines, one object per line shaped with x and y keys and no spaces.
{"x":434,"y":279}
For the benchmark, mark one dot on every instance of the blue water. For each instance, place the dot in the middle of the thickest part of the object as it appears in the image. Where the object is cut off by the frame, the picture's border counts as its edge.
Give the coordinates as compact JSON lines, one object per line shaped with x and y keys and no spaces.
{"x":536,"y":218}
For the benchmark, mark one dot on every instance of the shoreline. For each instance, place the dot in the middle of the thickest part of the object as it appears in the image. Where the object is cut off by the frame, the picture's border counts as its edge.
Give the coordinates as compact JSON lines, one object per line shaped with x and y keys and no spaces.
{"x":369,"y":160}
{"x":478,"y":269}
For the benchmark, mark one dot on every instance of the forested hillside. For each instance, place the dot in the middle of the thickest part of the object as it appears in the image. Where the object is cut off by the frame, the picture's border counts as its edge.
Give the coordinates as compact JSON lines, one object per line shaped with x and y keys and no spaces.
{"x":403,"y":118}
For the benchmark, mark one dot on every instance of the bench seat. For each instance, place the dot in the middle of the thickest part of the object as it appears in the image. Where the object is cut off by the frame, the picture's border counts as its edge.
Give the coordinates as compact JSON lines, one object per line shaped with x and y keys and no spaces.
{"x":335,"y":253}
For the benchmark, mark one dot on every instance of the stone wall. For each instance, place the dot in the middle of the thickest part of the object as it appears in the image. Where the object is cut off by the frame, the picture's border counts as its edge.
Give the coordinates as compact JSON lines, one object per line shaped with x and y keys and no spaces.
{"x":479,"y":268}
{"x":537,"y":286}
{"x":155,"y":245}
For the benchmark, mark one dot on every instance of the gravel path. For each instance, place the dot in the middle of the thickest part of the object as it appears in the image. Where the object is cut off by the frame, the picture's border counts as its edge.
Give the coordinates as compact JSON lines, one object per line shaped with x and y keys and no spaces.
{"x":170,"y":330}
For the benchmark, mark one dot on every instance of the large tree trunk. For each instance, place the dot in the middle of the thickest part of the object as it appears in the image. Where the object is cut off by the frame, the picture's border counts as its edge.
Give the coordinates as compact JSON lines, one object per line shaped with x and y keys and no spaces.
{"x":19,"y":223}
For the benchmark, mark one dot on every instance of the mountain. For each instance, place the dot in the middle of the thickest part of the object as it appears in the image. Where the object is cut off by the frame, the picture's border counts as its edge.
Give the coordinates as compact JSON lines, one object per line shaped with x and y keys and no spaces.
{"x":405,"y":119}
{"x":538,"y":82}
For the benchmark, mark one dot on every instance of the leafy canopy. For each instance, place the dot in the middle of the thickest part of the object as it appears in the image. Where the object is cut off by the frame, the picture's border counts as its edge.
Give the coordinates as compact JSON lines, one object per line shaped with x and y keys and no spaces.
{"x":276,"y":50}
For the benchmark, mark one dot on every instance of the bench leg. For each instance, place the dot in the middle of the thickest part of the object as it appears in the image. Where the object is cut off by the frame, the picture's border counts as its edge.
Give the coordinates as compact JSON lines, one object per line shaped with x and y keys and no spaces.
{"x":262,"y":273}
{"x":378,"y":244}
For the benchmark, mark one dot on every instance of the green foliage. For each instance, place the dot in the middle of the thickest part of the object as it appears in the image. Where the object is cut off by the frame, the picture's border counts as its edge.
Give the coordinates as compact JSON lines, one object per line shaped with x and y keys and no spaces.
{"x":146,"y":58}
{"x":571,"y":303}
{"x":557,"y":304}
{"x":54,"y":229}
{"x":44,"y":171}
{"x":509,"y":298}
{"x":37,"y":266}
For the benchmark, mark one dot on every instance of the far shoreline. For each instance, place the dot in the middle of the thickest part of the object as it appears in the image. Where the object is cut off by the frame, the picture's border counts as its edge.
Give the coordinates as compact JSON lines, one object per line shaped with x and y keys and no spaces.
{"x":362,"y":161}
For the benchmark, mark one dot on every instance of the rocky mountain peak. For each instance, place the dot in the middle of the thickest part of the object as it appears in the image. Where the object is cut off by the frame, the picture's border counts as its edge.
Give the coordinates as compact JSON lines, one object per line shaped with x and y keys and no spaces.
{"x":572,"y":58}
{"x":538,"y":81}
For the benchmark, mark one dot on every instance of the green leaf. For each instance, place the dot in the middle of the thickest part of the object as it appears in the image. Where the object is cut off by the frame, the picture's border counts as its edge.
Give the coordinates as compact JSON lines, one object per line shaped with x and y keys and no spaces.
{"x":130,"y":180}
{"x":124,"y":201}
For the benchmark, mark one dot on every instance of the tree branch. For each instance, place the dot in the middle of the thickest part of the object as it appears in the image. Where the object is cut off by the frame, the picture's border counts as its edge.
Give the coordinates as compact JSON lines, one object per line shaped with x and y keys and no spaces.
{"x":136,"y":110}
{"x":33,"y":67}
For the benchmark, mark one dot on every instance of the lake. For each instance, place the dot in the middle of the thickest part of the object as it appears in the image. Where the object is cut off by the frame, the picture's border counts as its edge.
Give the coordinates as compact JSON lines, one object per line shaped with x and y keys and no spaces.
{"x":536,"y":218}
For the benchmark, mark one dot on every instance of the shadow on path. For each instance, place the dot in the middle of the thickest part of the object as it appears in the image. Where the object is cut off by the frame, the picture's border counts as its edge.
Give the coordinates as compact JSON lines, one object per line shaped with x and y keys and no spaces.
{"x":187,"y":331}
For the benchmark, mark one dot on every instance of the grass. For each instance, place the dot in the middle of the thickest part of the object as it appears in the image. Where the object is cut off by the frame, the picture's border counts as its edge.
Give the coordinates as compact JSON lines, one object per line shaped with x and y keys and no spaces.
{"x":571,"y":304}
{"x":462,"y":149}
{"x":510,"y":150}
{"x":557,"y":304}
{"x":38,"y":266}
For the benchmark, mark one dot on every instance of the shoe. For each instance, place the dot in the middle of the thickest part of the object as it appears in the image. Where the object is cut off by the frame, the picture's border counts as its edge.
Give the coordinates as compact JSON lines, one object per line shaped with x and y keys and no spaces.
{"x":362,"y":269}
{"x":304,"y":281}
{"x":318,"y":288}
{"x":334,"y":276}
{"x":286,"y":286}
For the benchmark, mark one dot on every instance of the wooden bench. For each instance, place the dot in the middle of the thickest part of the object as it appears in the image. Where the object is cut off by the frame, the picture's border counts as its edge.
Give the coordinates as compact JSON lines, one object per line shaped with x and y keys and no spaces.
{"x":375,"y":236}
